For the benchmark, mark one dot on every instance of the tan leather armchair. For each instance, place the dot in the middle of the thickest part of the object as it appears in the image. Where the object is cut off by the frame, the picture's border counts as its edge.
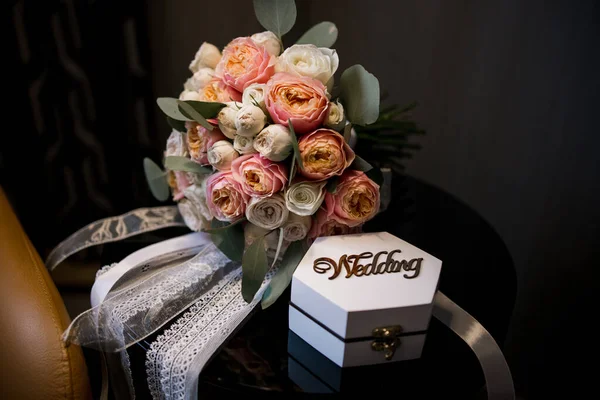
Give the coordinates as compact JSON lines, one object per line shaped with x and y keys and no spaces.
{"x":34,"y":362}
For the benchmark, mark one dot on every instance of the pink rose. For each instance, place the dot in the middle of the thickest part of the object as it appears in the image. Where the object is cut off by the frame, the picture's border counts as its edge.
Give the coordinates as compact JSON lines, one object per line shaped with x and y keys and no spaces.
{"x":218,"y":91}
{"x":301,"y":99}
{"x":355,"y":201}
{"x":183,"y":182}
{"x":258,"y":176}
{"x":244,"y":63}
{"x":199,"y":140}
{"x":324,"y":226}
{"x":324,"y":154}
{"x":224,"y":196}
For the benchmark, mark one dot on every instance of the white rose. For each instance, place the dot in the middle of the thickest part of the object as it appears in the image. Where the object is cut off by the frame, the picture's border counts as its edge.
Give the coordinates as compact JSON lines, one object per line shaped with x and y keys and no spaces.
{"x":274,"y":142}
{"x":305,"y":198}
{"x":250,"y":120}
{"x":226,"y":118}
{"x":309,"y":60}
{"x":269,"y":40}
{"x":296,"y":227}
{"x":254,"y":94}
{"x":268,"y":213}
{"x":190,"y":95}
{"x":193,"y":208}
{"x":176,"y":144}
{"x":221,"y":154}
{"x":199,"y":79}
{"x":335,"y":116}
{"x":208,"y":55}
{"x":243,"y":144}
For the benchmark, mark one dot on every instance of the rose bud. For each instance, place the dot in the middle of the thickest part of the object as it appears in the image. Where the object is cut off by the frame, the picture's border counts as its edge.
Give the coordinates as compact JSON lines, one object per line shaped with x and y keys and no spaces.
{"x":274,"y":142}
{"x":269,"y":41}
{"x":221,"y":154}
{"x":250,"y":120}
{"x":243,"y":144}
{"x":335,"y":116}
{"x":208,"y":55}
{"x":226,"y":119}
{"x":296,"y":227}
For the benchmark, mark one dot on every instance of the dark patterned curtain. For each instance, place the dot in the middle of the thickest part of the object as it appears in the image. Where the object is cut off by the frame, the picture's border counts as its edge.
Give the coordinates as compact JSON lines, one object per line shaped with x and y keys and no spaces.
{"x":80,"y":115}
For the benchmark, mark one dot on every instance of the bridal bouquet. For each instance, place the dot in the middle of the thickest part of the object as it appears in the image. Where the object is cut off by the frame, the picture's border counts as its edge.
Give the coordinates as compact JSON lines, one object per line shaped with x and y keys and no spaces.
{"x":260,"y":154}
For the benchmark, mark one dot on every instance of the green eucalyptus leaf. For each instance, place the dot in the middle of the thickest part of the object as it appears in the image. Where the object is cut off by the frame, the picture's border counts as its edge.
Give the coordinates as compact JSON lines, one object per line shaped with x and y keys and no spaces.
{"x":277,"y":16}
{"x":177,"y":125}
{"x":360,"y":164}
{"x":177,"y":163}
{"x":347,"y":132}
{"x":375,"y":175}
{"x":332,"y":184}
{"x":292,"y":171}
{"x":254,"y":268}
{"x":360,"y":95}
{"x":323,"y":34}
{"x":217,"y":226}
{"x":157,"y":181}
{"x":279,"y":244}
{"x":230,"y":241}
{"x":187,"y":110}
{"x":295,"y":145}
{"x":170,"y":107}
{"x":208,"y":109}
{"x":293,"y":255}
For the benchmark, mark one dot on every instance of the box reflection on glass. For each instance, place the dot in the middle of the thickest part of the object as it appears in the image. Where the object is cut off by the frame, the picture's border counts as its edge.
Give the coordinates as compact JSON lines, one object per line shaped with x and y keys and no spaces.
{"x":364,"y":299}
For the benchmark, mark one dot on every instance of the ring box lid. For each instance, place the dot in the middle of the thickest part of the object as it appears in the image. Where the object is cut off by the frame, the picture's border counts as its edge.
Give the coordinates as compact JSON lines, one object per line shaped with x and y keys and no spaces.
{"x":336,"y":284}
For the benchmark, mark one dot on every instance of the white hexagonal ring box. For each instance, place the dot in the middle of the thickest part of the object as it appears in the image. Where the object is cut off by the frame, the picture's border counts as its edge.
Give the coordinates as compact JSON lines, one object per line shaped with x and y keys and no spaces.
{"x":364,"y":299}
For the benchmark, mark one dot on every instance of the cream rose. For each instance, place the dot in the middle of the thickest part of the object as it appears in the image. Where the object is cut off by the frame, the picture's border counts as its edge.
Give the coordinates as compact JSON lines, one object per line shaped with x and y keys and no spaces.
{"x":296,"y":227}
{"x":269,"y":41}
{"x":190,"y":95}
{"x":221,"y":154}
{"x":197,"y":215}
{"x":305,"y":198}
{"x":309,"y":60}
{"x":274,"y":142}
{"x":226,"y":118}
{"x":268,"y":213}
{"x":335,"y":116}
{"x":200,"y":79}
{"x":243,"y":144}
{"x":250,"y":120}
{"x":176,"y":144}
{"x":208,"y":55}
{"x":255,"y":95}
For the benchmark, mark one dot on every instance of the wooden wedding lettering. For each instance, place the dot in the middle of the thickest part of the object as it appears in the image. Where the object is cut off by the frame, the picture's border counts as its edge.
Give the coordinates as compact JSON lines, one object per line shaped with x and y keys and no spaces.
{"x":353,"y":266}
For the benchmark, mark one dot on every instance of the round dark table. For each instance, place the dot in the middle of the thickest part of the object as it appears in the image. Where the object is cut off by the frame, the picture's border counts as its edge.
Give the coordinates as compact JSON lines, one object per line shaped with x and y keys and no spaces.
{"x":477,"y":273}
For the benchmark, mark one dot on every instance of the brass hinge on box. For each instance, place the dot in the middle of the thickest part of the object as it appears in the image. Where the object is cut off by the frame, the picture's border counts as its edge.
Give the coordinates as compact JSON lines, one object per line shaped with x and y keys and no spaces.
{"x":386,"y":340}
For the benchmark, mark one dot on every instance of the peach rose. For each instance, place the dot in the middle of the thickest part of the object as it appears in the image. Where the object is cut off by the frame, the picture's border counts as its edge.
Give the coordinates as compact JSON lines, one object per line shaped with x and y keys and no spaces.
{"x":199,"y":140}
{"x":258,"y":176}
{"x":355,"y":201}
{"x":324,"y":154}
{"x":224,"y":196}
{"x":324,"y":226}
{"x":218,"y":91}
{"x":244,"y":62}
{"x":301,"y":99}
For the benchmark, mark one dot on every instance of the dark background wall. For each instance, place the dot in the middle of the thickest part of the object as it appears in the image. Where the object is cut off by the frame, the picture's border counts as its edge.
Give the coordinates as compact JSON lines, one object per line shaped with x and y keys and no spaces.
{"x":508,"y":91}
